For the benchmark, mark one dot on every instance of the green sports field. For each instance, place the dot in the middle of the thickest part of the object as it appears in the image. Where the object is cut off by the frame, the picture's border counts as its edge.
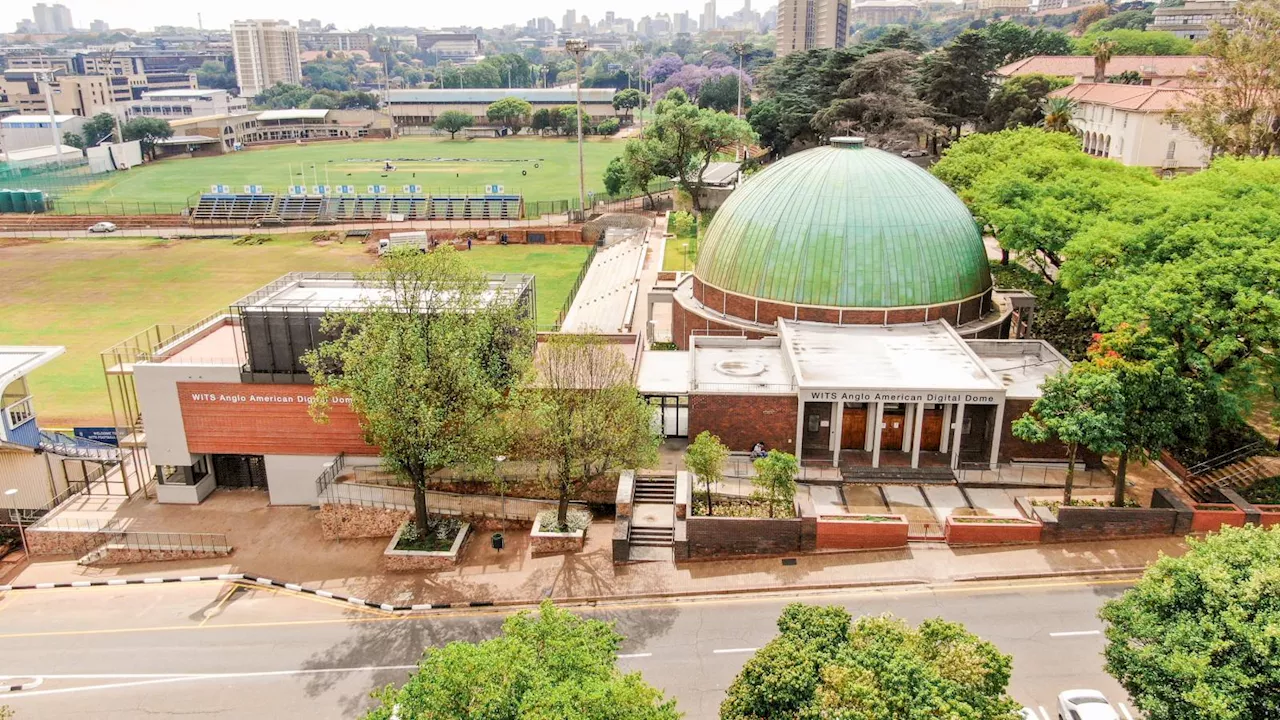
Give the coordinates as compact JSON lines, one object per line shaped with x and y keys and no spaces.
{"x":539,"y":168}
{"x":90,"y":294}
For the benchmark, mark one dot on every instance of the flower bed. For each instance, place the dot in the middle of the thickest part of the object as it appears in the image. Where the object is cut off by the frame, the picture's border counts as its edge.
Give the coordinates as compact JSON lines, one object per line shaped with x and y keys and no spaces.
{"x":1210,"y":517}
{"x":862,"y":532}
{"x":965,"y":530}
{"x":731,"y":506}
{"x":438,"y":550}
{"x":547,"y":538}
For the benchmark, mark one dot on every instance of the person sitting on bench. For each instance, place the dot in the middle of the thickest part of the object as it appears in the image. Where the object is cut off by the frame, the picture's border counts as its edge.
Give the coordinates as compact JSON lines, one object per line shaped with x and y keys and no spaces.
{"x":758,"y":451}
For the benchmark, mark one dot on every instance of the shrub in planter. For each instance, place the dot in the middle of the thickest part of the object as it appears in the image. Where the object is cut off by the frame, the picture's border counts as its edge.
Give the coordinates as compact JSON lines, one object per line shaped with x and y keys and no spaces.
{"x":549,"y":537}
{"x":441,"y":532}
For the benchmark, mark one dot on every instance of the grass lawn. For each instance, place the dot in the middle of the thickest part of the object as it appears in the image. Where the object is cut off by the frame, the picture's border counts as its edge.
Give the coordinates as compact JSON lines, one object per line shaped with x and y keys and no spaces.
{"x":674,"y":256}
{"x":437,"y":164}
{"x":90,"y":294}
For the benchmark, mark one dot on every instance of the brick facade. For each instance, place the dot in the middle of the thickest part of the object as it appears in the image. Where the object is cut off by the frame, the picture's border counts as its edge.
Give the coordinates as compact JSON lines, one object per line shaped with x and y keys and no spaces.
{"x":264,"y":419}
{"x":718,"y":537}
{"x":743,"y":420}
{"x":1015,"y":448}
{"x":850,"y":534}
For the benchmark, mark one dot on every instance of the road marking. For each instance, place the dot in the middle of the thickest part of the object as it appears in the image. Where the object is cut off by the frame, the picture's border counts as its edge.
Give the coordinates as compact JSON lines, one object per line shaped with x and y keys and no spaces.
{"x":217,"y":607}
{"x":635,"y":655}
{"x":725,"y":651}
{"x":152,"y":680}
{"x":1075,"y":633}
{"x":1043,"y":713}
{"x":1125,"y":711}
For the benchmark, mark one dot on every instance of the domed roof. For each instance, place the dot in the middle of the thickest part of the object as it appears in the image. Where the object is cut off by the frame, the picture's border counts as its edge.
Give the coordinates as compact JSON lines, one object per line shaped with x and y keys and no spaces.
{"x":846,"y":226}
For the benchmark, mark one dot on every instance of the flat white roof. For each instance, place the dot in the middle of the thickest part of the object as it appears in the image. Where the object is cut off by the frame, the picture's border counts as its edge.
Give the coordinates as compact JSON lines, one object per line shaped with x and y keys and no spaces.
{"x":735,"y":365}
{"x":664,"y":372}
{"x":18,"y":360}
{"x":925,"y":356}
{"x":1020,"y":365}
{"x":347,"y":293}
{"x":307,"y":114}
{"x":43,"y":151}
{"x":19,"y":119}
{"x":181,"y":93}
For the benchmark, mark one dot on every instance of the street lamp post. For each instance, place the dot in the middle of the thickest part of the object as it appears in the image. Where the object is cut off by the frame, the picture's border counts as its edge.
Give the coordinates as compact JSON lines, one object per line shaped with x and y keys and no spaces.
{"x":578,"y":47}
{"x":741,"y":49}
{"x":12,"y":493}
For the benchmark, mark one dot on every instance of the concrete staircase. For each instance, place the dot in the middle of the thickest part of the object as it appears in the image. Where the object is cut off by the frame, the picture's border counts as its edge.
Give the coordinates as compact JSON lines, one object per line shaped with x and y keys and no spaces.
{"x":899,"y":475}
{"x":1236,"y":476}
{"x":652,"y":537}
{"x":655,"y":490}
{"x":652,"y":541}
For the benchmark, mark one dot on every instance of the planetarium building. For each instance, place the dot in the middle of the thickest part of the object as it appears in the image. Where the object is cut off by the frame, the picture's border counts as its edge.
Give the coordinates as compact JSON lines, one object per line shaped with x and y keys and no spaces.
{"x":842,"y":308}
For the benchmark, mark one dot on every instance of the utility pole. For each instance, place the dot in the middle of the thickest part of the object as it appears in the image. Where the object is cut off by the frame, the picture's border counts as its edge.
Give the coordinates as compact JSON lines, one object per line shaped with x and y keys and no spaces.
{"x":53,"y":114}
{"x":578,"y":47}
{"x":740,"y":48}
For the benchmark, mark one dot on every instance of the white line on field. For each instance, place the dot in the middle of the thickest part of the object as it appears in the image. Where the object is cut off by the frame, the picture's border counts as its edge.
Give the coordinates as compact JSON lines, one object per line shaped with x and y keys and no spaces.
{"x":157,"y":679}
{"x":725,"y":651}
{"x":1125,"y":711}
{"x":1076,"y":633}
{"x":635,"y":655}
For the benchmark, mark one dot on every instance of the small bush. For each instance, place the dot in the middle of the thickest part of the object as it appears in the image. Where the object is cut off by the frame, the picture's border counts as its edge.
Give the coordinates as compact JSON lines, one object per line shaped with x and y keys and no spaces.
{"x":609,"y":127}
{"x":1264,"y":492}
{"x":441,"y":532}
{"x":575,"y":521}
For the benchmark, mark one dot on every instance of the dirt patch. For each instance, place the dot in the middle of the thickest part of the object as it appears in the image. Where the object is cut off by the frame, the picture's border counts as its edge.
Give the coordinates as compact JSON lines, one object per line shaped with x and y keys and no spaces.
{"x":19,"y":242}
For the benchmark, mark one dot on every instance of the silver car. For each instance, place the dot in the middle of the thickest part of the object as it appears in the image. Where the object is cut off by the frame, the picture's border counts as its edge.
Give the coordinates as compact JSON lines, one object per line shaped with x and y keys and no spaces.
{"x":1085,"y":705}
{"x":102,"y":227}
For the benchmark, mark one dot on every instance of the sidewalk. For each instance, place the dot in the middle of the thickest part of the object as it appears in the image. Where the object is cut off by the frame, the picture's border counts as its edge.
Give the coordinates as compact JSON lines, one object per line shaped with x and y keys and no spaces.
{"x":513,"y":576}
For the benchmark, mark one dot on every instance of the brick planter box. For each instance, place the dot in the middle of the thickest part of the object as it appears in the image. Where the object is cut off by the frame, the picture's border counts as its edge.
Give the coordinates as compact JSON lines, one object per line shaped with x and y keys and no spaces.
{"x":394,"y":560}
{"x":991,"y":531}
{"x":347,"y":522}
{"x":553,"y":543}
{"x":1270,"y":515}
{"x":859,"y":532}
{"x":1210,"y":517}
{"x":718,"y":537}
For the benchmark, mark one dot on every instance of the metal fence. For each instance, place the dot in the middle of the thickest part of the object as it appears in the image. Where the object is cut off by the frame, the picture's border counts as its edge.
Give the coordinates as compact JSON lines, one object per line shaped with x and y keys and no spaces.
{"x":28,"y":517}
{"x":1031,"y":475}
{"x":329,"y":476}
{"x":577,"y":285}
{"x":59,"y":206}
{"x":182,"y":542}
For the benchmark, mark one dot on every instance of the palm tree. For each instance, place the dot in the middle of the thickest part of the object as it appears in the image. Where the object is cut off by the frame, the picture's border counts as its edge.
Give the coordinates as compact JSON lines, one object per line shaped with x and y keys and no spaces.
{"x":1102,"y":51}
{"x":1058,"y":113}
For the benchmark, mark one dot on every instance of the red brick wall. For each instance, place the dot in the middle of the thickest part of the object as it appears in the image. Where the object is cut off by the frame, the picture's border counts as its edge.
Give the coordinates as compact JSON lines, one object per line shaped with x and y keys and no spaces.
{"x":259,"y":419}
{"x":743,"y":420}
{"x":1012,"y":446}
{"x":906,"y":315}
{"x":739,"y":306}
{"x":769,"y":312}
{"x":977,"y":533}
{"x":853,"y":535}
{"x":826,"y":315}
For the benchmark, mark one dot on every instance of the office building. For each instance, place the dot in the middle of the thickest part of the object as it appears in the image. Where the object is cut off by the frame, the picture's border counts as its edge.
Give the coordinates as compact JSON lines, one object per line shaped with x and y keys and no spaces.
{"x":570,"y":20}
{"x":810,"y":24}
{"x":1133,"y":125}
{"x":708,"y":21}
{"x":1194,"y":19}
{"x":99,"y":27}
{"x":52,"y":19}
{"x":173,"y":104}
{"x":344,"y":41}
{"x":266,"y":53}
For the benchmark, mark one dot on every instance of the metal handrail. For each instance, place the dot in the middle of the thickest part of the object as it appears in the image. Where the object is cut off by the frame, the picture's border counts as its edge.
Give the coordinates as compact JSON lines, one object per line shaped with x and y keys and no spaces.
{"x":1225,"y":459}
{"x":330,"y":474}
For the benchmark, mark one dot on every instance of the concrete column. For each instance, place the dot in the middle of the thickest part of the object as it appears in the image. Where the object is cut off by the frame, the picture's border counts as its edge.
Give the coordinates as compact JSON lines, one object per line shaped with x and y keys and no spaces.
{"x":875,"y":438}
{"x":915,"y":434}
{"x":944,"y":444}
{"x":870,"y":426}
{"x":908,"y":419}
{"x":799,"y":429}
{"x":995,"y":435}
{"x":837,"y":427}
{"x":959,"y":434}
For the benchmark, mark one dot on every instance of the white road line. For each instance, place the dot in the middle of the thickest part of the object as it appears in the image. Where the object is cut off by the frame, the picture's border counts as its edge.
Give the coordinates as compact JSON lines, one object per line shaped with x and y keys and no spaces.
{"x":162,"y":679}
{"x":635,"y":655}
{"x":1076,"y":633}
{"x":1043,"y":713}
{"x":725,"y":651}
{"x":1125,"y":712}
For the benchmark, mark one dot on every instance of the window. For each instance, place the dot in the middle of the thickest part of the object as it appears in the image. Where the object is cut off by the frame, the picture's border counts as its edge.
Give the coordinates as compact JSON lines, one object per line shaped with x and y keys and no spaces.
{"x":1173,"y":149}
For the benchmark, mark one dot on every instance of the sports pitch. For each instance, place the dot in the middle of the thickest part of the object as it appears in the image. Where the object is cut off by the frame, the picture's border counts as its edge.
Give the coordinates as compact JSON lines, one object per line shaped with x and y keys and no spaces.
{"x":539,"y":168}
{"x":91,"y":294}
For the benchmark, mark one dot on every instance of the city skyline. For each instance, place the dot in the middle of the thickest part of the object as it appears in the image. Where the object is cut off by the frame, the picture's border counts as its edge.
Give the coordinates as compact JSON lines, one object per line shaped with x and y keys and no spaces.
{"x":146,"y":14}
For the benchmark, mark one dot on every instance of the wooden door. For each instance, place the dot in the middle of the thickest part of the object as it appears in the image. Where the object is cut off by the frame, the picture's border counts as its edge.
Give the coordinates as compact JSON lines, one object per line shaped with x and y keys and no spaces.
{"x":891,"y":433}
{"x":931,"y":430}
{"x":853,"y":432}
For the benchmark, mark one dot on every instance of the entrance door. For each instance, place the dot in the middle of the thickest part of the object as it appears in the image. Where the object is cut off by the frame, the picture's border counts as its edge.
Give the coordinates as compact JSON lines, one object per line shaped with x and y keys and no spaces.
{"x":240,"y":471}
{"x":853,"y":430}
{"x":931,"y":429}
{"x":895,"y":421}
{"x":817,"y":427}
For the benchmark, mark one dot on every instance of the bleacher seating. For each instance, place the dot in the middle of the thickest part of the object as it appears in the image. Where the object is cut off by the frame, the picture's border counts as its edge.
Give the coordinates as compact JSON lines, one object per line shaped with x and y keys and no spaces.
{"x":229,"y":208}
{"x":602,"y":300}
{"x":300,"y":207}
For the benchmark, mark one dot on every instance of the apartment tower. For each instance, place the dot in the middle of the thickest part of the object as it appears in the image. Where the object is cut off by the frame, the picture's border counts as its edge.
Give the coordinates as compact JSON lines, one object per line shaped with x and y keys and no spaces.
{"x":810,"y":24}
{"x":266,"y":53}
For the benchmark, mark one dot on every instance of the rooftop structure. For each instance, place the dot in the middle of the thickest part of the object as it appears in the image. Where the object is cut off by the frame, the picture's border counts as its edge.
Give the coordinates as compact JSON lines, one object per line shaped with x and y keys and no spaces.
{"x":1154,"y":69}
{"x":1133,"y":124}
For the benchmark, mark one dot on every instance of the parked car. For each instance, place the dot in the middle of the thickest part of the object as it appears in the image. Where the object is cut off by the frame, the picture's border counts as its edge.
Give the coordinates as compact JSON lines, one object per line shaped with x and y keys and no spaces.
{"x":1085,"y":705}
{"x":1027,"y":713}
{"x":913,"y":153}
{"x":102,"y":227}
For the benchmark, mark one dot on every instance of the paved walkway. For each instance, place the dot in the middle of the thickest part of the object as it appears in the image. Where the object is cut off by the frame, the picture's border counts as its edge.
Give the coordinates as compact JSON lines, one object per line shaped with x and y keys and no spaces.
{"x":284,"y":543}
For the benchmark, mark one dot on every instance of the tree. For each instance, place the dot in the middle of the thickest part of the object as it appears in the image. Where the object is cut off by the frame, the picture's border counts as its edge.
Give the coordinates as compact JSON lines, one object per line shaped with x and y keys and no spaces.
{"x":775,"y":481}
{"x":721,"y":93}
{"x":357,"y":100}
{"x":628,"y":100}
{"x":1125,"y":20}
{"x":452,"y":122}
{"x":1057,"y":114}
{"x":1136,"y":42}
{"x":98,"y":129}
{"x":547,"y":665}
{"x":427,"y":365}
{"x":321,"y":102}
{"x":705,"y":458}
{"x":1103,"y":49}
{"x":544,"y":119}
{"x":665,"y":66}
{"x":147,"y":131}
{"x":510,"y":112}
{"x":579,"y":411}
{"x":567,"y":122}
{"x":282,"y":96}
{"x":1235,"y":108}
{"x":822,"y":664}
{"x":642,"y":163}
{"x":1091,"y":15}
{"x":75,"y":140}
{"x":878,"y":101}
{"x":214,"y":74}
{"x":954,"y":81}
{"x":1007,"y":42}
{"x":1020,"y":101}
{"x":1079,"y":408}
{"x":1194,"y":639}
{"x":686,"y":138}
{"x":615,"y":176}
{"x":608,"y":126}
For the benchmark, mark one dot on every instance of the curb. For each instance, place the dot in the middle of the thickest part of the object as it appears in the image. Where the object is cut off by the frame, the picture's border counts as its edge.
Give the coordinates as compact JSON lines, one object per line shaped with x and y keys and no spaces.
{"x":32,"y":683}
{"x":1136,"y":569}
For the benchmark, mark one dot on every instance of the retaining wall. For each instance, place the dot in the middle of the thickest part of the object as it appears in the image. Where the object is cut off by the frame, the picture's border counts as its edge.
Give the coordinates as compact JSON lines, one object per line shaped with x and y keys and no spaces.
{"x":111,"y":555}
{"x":965,"y":531}
{"x":849,"y":533}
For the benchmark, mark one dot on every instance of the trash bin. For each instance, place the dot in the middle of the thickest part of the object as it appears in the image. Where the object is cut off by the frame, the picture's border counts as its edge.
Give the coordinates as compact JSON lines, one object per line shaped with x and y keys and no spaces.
{"x":497,"y":541}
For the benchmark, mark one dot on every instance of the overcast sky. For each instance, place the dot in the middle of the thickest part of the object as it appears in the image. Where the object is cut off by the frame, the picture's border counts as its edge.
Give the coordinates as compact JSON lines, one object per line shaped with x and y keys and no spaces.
{"x":145,"y":14}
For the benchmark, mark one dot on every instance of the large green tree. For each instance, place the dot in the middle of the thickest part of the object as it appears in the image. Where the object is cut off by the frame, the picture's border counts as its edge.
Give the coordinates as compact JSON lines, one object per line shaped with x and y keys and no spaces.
{"x":1195,"y":638}
{"x":705,"y":458}
{"x":548,"y":665}
{"x":147,"y":131}
{"x":954,"y":81}
{"x":512,"y":113}
{"x":823,"y":664}
{"x":685,"y":138}
{"x":579,"y":412}
{"x":453,"y":122}
{"x":99,"y":129}
{"x":1020,"y":101}
{"x":878,"y":100}
{"x":427,"y":365}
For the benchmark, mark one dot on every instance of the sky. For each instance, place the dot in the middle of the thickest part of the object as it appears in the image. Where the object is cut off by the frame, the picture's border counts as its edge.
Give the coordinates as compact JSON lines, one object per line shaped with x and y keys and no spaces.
{"x":145,"y":14}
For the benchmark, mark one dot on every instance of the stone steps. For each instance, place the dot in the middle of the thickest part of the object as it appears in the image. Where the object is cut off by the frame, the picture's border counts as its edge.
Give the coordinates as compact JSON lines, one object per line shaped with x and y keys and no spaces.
{"x":651,"y":537}
{"x":655,"y":490}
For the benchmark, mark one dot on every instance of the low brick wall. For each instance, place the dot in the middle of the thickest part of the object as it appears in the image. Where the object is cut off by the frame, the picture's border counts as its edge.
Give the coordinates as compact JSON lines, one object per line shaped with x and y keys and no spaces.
{"x":1269,"y":515}
{"x":348,"y":522}
{"x":418,"y":563}
{"x":1075,"y":524}
{"x":126,"y":555}
{"x":850,"y":533}
{"x":718,"y":537}
{"x":64,"y":542}
{"x":555,"y":543}
{"x":966,"y":531}
{"x":1211,"y":517}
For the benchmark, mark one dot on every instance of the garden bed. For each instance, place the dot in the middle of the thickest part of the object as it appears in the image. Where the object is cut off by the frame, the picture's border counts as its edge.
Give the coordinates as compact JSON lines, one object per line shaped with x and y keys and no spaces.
{"x":862,"y":532}
{"x":547,"y":538}
{"x":438,"y":550}
{"x":1211,"y":517}
{"x":967,"y":530}
{"x":731,"y":506}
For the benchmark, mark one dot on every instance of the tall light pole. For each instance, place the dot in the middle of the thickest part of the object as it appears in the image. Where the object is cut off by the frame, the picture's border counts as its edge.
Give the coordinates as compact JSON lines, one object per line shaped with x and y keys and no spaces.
{"x":741,"y":49}
{"x":578,"y":47}
{"x":12,"y":493}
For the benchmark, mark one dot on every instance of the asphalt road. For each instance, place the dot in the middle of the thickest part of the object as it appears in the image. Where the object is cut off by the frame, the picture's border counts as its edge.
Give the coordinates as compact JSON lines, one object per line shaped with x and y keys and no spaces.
{"x":217,"y":650}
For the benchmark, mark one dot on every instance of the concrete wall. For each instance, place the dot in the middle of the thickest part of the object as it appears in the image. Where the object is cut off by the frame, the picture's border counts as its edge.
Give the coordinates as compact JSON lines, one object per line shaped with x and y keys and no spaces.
{"x":157,"y":388}
{"x":743,"y":420}
{"x":291,"y":479}
{"x":186,"y":494}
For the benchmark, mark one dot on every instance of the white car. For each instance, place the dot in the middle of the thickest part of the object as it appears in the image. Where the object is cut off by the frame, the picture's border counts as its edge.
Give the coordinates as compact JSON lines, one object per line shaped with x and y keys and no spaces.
{"x":103,"y":227}
{"x":1027,"y":713}
{"x":1085,"y":705}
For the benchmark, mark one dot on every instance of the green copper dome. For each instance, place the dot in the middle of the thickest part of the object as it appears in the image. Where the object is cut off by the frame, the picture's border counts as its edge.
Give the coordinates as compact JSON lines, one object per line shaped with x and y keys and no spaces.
{"x":847,"y":226}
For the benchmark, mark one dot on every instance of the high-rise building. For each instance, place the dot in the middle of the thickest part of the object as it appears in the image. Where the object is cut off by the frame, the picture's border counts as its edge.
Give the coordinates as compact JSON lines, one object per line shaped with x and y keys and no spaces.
{"x":100,"y":27}
{"x":312,"y":25}
{"x":682,"y":23}
{"x":266,"y":53}
{"x":570,"y":20}
{"x":55,"y":19}
{"x":810,"y":24}
{"x":708,"y":22}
